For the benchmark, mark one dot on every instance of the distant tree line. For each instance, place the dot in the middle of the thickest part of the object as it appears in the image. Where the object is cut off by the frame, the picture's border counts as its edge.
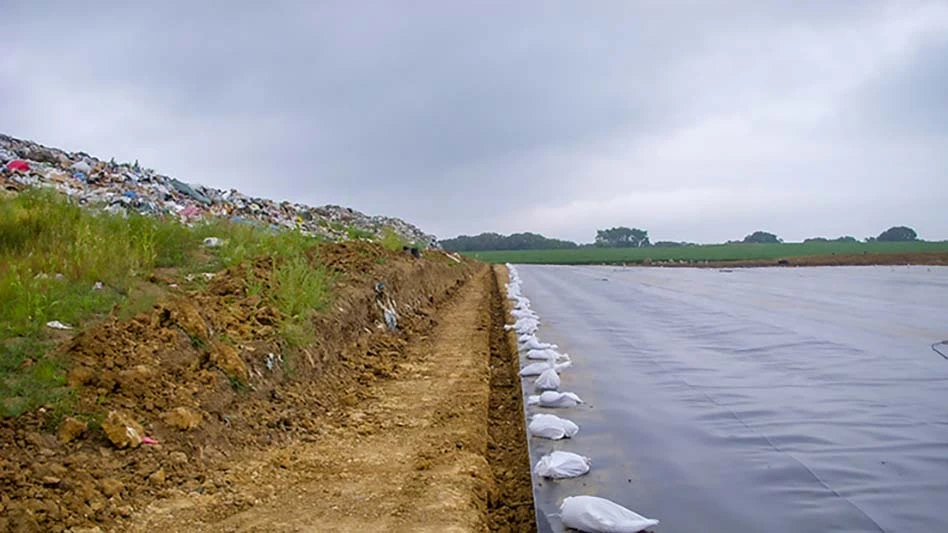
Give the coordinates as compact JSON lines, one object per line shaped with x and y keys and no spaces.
{"x":625,"y":237}
{"x":496,"y":241}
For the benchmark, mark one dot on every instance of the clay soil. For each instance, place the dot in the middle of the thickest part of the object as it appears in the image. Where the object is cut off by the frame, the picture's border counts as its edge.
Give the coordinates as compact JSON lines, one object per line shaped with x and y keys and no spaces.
{"x":420,"y":429}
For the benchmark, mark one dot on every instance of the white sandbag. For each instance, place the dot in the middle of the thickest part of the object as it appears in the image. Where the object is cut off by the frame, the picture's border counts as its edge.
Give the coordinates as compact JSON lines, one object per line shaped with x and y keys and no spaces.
{"x":529,"y":341}
{"x":547,"y":354}
{"x":535,"y":369}
{"x":560,"y":465}
{"x":547,"y":380}
{"x":554,"y":399}
{"x":599,"y":515}
{"x":523,"y":325}
{"x":559,"y":367}
{"x":552,"y":427}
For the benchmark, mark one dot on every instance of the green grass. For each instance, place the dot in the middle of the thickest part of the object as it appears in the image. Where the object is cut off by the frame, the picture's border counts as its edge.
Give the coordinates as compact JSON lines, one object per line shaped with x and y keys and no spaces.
{"x":52,"y":253}
{"x":392,"y":241}
{"x":700,"y":253}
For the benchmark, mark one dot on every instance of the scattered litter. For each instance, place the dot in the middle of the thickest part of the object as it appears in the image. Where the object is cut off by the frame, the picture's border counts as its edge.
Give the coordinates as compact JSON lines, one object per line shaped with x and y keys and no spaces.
{"x":552,"y":427}
{"x":548,"y":380}
{"x":599,"y":515}
{"x":272,"y":360}
{"x":560,"y":465}
{"x":55,"y":324}
{"x":555,"y":399}
{"x":387,"y":305}
{"x":98,"y":286}
{"x":213,"y":242}
{"x":149,"y":440}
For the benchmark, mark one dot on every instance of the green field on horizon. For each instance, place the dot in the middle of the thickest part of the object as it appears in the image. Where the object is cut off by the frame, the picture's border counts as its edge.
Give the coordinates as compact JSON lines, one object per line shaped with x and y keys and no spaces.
{"x":704,"y":252}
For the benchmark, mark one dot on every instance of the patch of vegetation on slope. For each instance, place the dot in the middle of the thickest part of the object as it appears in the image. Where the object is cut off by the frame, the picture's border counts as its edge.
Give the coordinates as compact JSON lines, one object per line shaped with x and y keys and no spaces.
{"x":63,"y":265}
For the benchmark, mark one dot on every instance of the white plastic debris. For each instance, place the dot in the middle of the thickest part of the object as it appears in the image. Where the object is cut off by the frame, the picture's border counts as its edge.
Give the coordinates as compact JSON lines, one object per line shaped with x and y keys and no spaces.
{"x":98,"y":286}
{"x":547,"y":380}
{"x":81,"y":166}
{"x":552,"y":427}
{"x":560,"y":465}
{"x":555,"y":399}
{"x":55,"y":324}
{"x":213,"y":242}
{"x":599,"y":515}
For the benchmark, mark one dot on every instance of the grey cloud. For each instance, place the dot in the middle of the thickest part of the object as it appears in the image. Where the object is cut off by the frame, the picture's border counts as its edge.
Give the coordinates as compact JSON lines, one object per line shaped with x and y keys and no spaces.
{"x":437,"y":111}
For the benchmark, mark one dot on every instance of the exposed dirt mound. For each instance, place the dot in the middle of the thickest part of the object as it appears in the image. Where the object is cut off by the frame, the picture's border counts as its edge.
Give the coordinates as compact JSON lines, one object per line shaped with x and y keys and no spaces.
{"x":204,"y":376}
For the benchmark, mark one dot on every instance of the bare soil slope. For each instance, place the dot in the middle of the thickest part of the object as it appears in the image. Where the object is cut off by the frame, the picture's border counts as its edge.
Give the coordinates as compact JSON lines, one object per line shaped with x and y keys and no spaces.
{"x":363,"y":429}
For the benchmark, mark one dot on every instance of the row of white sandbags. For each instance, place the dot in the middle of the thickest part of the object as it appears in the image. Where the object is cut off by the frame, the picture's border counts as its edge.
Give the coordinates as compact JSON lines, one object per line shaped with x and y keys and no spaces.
{"x":585,"y":513}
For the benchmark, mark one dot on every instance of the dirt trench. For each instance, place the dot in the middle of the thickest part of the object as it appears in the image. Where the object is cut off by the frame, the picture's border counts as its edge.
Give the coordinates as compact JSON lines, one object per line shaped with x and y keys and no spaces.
{"x":439,"y":447}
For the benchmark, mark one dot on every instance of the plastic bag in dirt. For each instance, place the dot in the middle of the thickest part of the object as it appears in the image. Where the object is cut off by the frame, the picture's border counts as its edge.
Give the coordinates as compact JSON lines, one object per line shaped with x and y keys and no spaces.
{"x":535,"y":369}
{"x":554,"y":399}
{"x":560,"y":465}
{"x":547,"y":354}
{"x":547,"y":380}
{"x":552,"y":427}
{"x":599,"y":515}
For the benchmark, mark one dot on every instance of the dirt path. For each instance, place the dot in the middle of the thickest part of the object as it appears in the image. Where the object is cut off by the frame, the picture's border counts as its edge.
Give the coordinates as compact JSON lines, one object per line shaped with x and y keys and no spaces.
{"x":414,"y":457}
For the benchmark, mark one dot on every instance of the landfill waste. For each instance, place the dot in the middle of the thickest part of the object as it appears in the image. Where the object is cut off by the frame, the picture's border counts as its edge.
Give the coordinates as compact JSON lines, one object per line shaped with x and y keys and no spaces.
{"x":213,"y":242}
{"x":125,"y":187}
{"x":55,"y":324}
{"x":547,"y":380}
{"x":555,"y":399}
{"x":552,"y":427}
{"x":599,"y":515}
{"x":560,"y":465}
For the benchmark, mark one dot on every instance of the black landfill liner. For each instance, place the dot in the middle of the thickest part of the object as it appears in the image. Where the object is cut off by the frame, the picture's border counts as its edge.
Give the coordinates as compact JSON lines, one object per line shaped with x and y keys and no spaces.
{"x":773,"y":400}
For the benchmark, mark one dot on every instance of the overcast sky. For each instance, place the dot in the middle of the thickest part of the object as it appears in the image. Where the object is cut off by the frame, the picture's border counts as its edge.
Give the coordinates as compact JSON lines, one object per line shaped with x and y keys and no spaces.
{"x":699,"y":121}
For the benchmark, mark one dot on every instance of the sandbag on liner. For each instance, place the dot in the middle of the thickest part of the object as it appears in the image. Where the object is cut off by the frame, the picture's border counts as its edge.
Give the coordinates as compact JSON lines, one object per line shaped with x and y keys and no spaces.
{"x":560,"y":465}
{"x":552,"y":427}
{"x":547,"y":380}
{"x":555,"y":399}
{"x":599,"y":515}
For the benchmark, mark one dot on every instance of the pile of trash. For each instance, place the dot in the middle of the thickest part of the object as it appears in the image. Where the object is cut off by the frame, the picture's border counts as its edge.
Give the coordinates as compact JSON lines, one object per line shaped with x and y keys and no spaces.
{"x":129,"y":186}
{"x":591,"y":514}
